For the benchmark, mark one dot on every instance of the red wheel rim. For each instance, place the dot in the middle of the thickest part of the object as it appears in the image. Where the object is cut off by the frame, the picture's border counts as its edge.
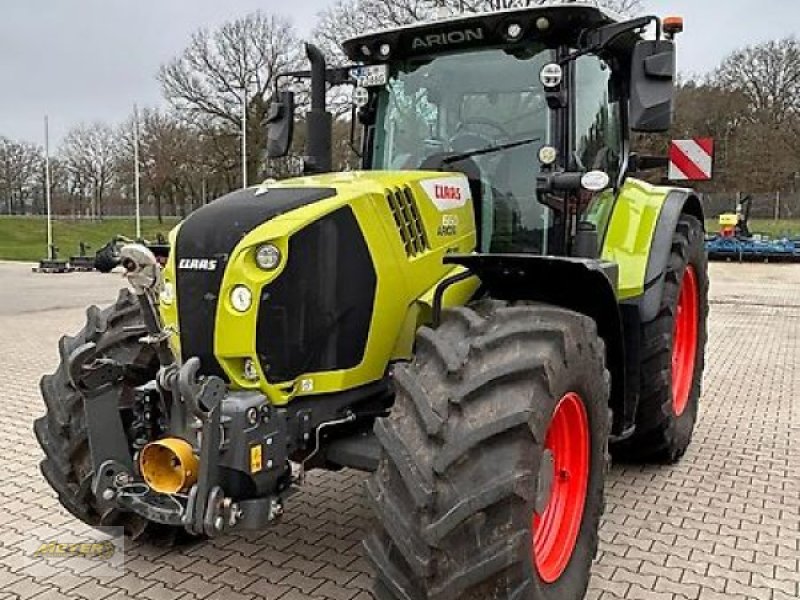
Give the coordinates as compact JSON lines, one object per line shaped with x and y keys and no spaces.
{"x":555,"y":531}
{"x":684,"y":342}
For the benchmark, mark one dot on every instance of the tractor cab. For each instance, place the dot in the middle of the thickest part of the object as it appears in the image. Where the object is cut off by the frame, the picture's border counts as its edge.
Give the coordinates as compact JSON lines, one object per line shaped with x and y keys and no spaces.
{"x":535,"y":106}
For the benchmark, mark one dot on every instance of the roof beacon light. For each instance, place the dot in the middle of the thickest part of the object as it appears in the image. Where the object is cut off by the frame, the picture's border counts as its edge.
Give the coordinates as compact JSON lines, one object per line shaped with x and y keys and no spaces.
{"x":673,"y":26}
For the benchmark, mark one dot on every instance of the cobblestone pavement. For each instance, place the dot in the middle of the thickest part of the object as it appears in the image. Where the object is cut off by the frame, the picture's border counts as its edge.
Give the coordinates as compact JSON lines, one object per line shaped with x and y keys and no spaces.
{"x":725,"y":523}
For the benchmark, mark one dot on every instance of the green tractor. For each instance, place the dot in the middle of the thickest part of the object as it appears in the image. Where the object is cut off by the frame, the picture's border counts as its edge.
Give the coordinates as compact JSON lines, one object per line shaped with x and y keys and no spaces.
{"x":480,"y":317}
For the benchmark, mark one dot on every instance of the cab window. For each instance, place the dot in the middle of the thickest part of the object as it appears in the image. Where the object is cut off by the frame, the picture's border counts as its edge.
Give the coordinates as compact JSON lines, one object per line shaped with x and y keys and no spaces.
{"x":598,"y":138}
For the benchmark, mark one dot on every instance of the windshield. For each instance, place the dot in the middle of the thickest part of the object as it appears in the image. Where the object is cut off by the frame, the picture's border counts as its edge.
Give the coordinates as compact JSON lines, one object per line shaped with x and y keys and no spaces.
{"x":468,"y":102}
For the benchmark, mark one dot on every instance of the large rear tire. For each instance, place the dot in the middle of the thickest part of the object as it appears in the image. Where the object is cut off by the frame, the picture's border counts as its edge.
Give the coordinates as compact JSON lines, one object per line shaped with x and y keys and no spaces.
{"x":62,"y":432}
{"x":673,"y":355}
{"x":494,"y":459}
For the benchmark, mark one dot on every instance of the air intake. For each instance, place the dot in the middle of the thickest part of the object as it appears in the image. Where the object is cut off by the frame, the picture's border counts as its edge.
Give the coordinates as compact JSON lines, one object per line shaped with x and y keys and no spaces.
{"x":409,"y":225}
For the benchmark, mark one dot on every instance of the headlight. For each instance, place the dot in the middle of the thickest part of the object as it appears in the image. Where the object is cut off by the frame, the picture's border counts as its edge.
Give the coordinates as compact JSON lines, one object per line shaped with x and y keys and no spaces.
{"x":268,"y":257}
{"x":168,"y":293}
{"x":241,"y":298}
{"x":250,"y":371}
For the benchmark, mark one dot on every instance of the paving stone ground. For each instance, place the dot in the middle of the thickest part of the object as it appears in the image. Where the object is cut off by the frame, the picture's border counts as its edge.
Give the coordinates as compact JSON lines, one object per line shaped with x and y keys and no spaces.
{"x":725,"y":523}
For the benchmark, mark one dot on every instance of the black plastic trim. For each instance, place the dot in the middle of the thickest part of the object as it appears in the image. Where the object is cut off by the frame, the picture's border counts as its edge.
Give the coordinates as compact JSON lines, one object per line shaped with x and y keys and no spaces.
{"x":677,"y":203}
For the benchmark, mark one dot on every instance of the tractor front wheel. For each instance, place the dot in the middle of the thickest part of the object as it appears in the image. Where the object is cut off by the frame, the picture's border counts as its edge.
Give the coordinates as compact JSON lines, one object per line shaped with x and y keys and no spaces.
{"x":494,"y":459}
{"x":673,"y":355}
{"x":62,"y":432}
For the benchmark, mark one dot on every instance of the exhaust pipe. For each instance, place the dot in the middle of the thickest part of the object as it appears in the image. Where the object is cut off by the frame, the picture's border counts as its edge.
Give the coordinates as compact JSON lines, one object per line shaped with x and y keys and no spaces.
{"x":319,"y":157}
{"x":169,"y":466}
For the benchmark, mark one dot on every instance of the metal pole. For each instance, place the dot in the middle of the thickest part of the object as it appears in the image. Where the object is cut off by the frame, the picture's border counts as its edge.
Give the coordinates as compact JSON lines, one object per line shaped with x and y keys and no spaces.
{"x":244,"y":113}
{"x":50,"y":253}
{"x":136,"y":172}
{"x":244,"y":137}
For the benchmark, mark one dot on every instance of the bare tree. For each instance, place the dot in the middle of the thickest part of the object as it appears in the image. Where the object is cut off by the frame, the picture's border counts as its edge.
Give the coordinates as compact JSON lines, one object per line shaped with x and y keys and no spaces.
{"x":20,"y":163}
{"x":627,"y":8}
{"x":166,"y":147}
{"x":623,"y":7}
{"x":89,"y":155}
{"x":221,"y":69}
{"x":769,"y":76}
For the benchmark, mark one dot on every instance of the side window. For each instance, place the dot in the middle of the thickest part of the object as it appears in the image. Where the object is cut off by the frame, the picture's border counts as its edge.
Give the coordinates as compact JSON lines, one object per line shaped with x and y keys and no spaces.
{"x":598,"y":130}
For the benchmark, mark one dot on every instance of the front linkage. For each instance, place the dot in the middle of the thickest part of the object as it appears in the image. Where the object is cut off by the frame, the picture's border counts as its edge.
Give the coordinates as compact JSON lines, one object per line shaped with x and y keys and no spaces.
{"x":201,"y":409}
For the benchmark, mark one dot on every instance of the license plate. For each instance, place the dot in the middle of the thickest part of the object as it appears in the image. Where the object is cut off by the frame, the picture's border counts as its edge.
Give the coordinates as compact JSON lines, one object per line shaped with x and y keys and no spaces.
{"x":371,"y":75}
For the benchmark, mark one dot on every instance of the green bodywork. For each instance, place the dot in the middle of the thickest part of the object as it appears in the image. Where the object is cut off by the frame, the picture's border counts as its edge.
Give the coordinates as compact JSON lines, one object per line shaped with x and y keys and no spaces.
{"x":405,"y":283}
{"x":630,"y":225}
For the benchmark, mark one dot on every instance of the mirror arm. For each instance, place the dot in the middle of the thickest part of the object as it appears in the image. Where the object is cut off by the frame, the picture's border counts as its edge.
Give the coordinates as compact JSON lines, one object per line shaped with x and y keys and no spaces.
{"x":640,"y":163}
{"x":334,"y":76}
{"x":594,"y":40}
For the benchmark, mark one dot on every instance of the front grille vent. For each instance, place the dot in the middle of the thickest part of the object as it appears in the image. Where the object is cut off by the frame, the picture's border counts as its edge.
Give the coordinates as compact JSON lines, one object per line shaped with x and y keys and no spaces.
{"x":409,"y":224}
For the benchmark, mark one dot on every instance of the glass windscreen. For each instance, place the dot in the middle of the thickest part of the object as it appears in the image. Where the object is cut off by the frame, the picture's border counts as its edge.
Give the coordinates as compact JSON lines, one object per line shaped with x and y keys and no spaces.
{"x":476,"y":101}
{"x":598,"y":132}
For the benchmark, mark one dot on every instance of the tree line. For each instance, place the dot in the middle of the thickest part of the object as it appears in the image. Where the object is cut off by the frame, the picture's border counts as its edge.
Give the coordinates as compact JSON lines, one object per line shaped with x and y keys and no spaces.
{"x":190,"y":149}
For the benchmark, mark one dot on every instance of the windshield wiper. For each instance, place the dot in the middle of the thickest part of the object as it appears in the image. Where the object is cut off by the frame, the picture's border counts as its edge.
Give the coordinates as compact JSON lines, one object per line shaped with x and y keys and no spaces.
{"x":453,"y":158}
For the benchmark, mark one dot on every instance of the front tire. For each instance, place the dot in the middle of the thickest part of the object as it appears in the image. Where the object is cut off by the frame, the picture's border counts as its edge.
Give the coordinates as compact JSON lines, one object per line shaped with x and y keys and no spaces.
{"x":62,"y":431}
{"x":673,"y":355}
{"x":494,"y":459}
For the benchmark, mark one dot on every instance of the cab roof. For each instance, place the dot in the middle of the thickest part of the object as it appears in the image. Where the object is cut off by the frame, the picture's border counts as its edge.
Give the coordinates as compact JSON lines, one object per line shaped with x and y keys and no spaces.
{"x":552,"y":22}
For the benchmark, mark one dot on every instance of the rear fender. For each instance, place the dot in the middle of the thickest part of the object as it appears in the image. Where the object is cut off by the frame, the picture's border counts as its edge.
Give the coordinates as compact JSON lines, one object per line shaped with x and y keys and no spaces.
{"x":583,"y":285}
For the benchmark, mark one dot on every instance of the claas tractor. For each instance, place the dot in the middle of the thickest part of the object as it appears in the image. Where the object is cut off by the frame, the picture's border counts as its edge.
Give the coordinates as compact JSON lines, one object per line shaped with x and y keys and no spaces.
{"x":480,"y":317}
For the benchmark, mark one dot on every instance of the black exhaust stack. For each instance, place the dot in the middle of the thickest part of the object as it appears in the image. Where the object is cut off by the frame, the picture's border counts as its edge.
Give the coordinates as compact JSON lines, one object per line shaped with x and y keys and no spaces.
{"x":319,"y":158}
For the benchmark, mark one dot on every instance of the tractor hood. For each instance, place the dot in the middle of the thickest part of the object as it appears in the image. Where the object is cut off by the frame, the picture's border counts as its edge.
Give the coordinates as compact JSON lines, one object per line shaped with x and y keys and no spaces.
{"x":347,"y":243}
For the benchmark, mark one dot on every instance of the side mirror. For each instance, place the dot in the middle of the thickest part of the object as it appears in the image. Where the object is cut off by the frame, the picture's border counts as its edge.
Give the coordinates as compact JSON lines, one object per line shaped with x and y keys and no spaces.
{"x":280,"y":125}
{"x":652,"y":86}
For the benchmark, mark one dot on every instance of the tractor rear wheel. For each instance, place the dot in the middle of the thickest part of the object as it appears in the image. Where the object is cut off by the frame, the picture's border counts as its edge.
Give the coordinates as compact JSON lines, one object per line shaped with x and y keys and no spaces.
{"x":673,"y":355}
{"x":494,"y":459}
{"x":62,"y":432}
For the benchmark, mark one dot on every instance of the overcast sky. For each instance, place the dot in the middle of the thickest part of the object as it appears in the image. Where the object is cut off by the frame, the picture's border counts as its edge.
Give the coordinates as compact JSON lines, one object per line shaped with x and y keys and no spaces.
{"x":85,"y":60}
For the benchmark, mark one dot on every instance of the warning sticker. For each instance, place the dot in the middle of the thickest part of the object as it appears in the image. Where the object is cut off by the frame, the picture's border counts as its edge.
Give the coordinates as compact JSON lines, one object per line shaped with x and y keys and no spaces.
{"x":256,"y":458}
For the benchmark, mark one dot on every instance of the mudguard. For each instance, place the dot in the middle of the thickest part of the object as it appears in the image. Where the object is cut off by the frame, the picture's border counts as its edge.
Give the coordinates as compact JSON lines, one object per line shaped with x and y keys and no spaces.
{"x":639,"y":238}
{"x":678,"y":202}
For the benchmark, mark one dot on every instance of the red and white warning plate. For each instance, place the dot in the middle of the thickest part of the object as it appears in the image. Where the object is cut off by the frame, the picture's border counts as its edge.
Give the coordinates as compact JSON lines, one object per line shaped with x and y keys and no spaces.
{"x":691,"y":160}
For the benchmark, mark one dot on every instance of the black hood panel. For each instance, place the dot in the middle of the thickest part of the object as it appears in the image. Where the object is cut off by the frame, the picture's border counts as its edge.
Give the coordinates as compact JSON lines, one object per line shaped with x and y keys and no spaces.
{"x":209,"y":235}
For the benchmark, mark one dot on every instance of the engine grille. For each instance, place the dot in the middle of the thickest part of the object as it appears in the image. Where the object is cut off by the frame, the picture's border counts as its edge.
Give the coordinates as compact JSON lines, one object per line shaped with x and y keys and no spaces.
{"x":409,"y":225}
{"x":316,"y":315}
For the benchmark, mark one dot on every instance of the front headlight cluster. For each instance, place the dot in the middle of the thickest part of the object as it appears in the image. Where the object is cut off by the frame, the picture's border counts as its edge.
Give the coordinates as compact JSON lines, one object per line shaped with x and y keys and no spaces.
{"x":268,"y":257}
